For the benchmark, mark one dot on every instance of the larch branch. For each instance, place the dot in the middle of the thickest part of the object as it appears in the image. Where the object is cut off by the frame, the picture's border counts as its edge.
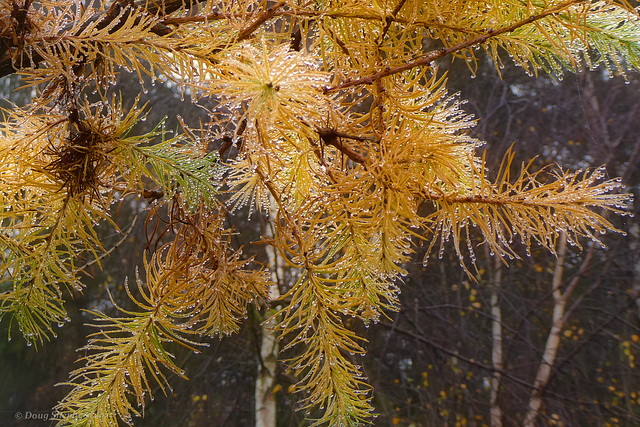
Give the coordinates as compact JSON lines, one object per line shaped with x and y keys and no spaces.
{"x":440,"y":53}
{"x":163,"y":7}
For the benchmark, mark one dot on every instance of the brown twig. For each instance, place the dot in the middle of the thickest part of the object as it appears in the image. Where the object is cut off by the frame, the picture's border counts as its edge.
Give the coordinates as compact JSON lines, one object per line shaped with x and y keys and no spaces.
{"x":331,"y":137}
{"x":266,"y":15}
{"x":125,"y":236}
{"x":389,"y":20}
{"x":437,"y":54}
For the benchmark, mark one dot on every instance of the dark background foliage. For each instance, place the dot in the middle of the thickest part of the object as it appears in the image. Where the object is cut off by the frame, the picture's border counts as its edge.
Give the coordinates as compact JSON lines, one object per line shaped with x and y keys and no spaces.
{"x":429,"y":363}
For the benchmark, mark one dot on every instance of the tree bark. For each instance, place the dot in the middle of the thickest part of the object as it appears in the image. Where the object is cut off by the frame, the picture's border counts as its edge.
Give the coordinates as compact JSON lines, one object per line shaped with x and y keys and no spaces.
{"x":553,"y":340}
{"x":265,"y":398}
{"x":496,"y":345}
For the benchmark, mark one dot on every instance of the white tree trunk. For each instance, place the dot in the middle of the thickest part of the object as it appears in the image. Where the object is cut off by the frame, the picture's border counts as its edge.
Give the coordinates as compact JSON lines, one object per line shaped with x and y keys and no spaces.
{"x":264,"y":393}
{"x":553,"y":340}
{"x":265,"y":399}
{"x":635,"y":248}
{"x":496,"y":342}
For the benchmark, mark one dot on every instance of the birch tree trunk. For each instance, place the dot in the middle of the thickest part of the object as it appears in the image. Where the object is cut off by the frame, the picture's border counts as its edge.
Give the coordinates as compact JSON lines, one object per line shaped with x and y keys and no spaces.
{"x":496,"y":342}
{"x":265,"y":399}
{"x":553,"y":340}
{"x":634,"y":246}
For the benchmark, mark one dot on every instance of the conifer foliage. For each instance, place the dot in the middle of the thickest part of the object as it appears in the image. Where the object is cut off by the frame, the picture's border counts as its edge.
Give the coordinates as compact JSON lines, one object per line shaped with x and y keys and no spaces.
{"x":334,"y":110}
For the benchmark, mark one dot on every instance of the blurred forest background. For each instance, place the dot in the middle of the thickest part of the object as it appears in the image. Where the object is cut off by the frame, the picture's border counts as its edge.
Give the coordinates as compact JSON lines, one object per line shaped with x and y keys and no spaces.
{"x":432,"y":363}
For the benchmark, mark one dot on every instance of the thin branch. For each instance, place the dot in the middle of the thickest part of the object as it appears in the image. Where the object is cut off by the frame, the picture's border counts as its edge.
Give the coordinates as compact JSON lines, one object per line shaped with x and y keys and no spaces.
{"x":334,"y":138}
{"x":558,"y":367}
{"x":216,"y":16}
{"x":266,"y":15}
{"x":576,"y":278}
{"x":350,"y":15}
{"x":437,"y":54}
{"x":390,"y":19}
{"x":471,"y":310}
{"x":114,"y":247}
{"x":457,"y":355}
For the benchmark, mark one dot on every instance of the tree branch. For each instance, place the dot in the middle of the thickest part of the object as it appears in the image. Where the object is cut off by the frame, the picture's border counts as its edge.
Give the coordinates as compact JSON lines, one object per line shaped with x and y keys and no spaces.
{"x":333,"y":138}
{"x":437,"y":54}
{"x":266,"y":15}
{"x":159,"y":8}
{"x":457,"y":355}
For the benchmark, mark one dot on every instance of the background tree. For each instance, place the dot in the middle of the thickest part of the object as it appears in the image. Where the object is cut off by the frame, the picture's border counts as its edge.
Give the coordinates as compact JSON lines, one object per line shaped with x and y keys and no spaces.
{"x":434,"y":364}
{"x":336,"y":111}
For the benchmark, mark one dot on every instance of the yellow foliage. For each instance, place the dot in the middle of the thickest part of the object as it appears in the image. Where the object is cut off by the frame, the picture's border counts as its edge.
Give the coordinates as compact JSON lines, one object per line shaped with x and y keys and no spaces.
{"x":340,"y":116}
